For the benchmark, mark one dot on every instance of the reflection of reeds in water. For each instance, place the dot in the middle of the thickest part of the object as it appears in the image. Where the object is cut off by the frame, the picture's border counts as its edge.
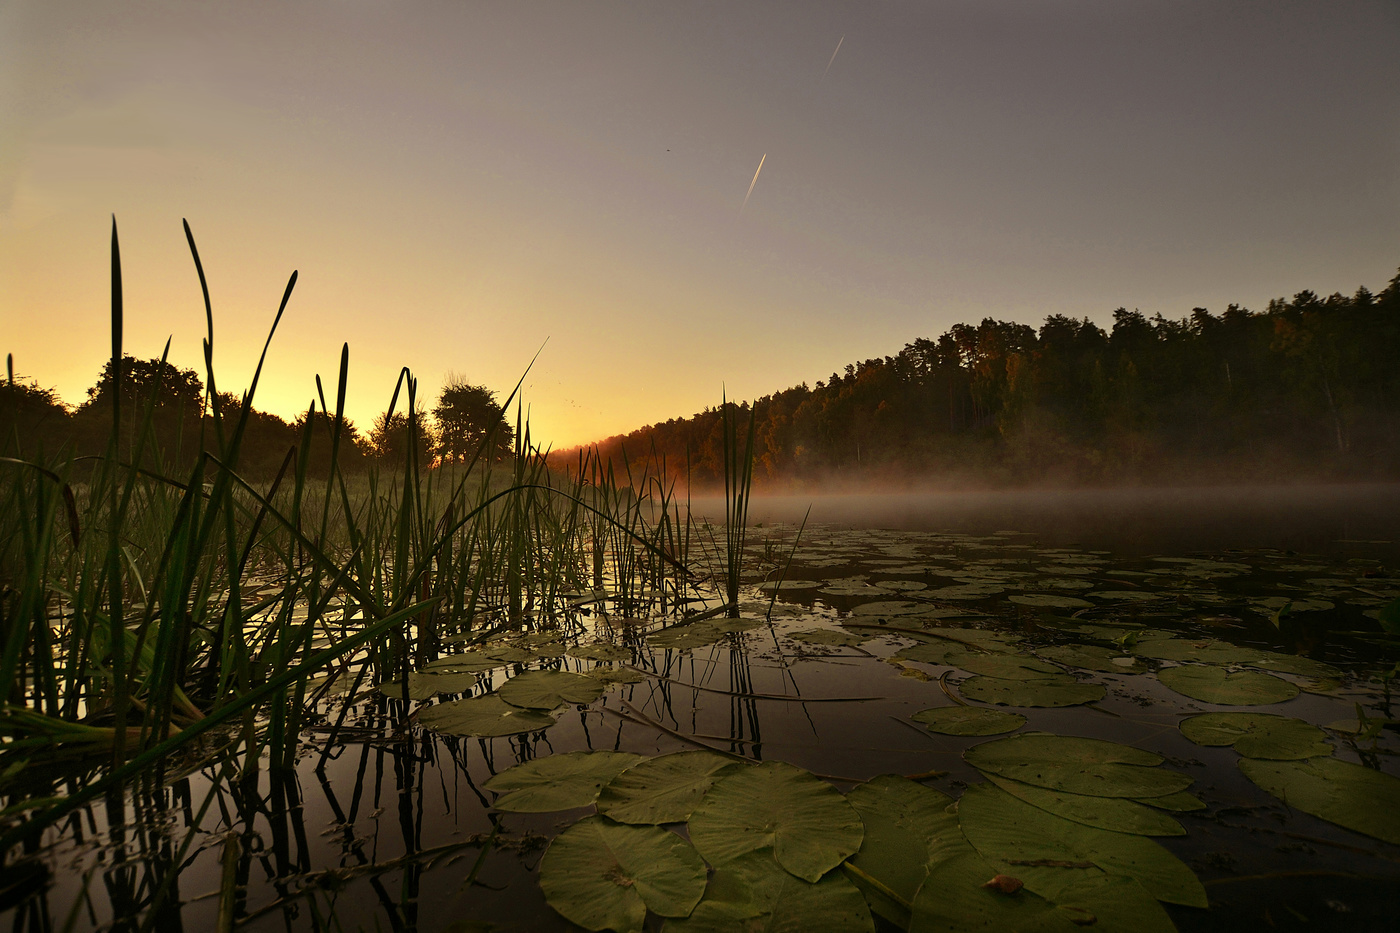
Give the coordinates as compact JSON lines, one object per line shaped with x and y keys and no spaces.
{"x":142,"y":613}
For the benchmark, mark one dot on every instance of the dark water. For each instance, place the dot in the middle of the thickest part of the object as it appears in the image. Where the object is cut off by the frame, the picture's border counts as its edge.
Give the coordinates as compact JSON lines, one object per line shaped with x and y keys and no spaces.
{"x":385,"y":833}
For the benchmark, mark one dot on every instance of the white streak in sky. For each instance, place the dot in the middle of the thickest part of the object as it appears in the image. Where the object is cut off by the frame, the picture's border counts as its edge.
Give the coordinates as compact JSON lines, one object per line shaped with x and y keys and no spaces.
{"x":752,"y":183}
{"x":833,"y":55}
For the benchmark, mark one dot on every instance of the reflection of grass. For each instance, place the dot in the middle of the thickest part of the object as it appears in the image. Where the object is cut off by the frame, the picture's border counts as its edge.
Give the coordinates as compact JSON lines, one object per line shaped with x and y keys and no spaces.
{"x":140,"y":610}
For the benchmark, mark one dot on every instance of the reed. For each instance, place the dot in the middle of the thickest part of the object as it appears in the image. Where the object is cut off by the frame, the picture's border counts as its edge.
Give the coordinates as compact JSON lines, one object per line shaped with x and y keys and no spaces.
{"x":141,"y":612}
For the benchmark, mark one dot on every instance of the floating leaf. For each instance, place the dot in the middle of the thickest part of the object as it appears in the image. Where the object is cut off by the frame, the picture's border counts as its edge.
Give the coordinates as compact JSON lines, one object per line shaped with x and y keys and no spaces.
{"x":1113,"y":813}
{"x":1258,"y":735}
{"x":888,"y":608}
{"x":1049,"y":601}
{"x":907,"y":828}
{"x":810,"y":826}
{"x":603,"y":875}
{"x":1061,"y":690}
{"x":483,"y":716}
{"x":789,"y":585}
{"x":965,"y":591}
{"x":664,"y":789}
{"x":826,"y":636}
{"x":509,"y":654}
{"x":685,"y":636}
{"x":1076,"y":765}
{"x":1010,"y":666}
{"x":465,"y":662}
{"x":969,"y":720}
{"x":753,"y":893}
{"x":1003,"y":827}
{"x":601,"y":651}
{"x":1092,"y":658}
{"x":549,"y":689}
{"x":609,"y":676}
{"x":1295,"y":664}
{"x":1227,"y":688}
{"x":1185,"y":649}
{"x":558,"y":782}
{"x":1337,"y":791}
{"x":417,"y":689}
{"x":1174,"y":803}
{"x":1097,"y":900}
{"x":949,"y":653}
{"x":955,"y":898}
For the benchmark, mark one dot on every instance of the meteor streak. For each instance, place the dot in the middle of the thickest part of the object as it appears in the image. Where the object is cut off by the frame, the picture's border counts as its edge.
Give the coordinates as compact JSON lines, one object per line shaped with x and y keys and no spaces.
{"x":833,"y":55}
{"x":752,"y":183}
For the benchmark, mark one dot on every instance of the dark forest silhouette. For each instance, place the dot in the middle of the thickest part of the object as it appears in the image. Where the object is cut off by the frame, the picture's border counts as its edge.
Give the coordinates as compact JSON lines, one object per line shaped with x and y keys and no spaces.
{"x":1307,"y":389}
{"x":36,"y":424}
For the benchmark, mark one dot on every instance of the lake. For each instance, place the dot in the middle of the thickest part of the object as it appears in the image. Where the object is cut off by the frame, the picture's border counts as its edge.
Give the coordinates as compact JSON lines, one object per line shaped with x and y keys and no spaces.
{"x":1075,"y":630}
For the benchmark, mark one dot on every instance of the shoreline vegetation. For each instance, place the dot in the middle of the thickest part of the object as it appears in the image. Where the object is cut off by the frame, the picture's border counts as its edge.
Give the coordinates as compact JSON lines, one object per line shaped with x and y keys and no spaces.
{"x":1305,"y":390}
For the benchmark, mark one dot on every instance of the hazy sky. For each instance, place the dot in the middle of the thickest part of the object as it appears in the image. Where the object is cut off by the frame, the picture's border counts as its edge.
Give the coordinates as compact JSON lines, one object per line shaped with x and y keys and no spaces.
{"x":458,"y":181}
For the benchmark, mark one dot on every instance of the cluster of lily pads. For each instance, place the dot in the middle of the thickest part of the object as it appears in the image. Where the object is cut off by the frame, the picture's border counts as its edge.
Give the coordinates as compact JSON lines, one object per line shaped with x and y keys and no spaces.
{"x":1059,"y":834}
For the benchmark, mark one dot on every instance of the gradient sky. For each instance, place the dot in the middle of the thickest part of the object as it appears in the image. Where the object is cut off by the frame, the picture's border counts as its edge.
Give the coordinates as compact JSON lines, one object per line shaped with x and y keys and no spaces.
{"x":458,"y":181}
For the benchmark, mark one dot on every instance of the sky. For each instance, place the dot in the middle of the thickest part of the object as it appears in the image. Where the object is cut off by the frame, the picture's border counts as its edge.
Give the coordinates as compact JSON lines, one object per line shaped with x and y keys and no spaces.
{"x":464,"y":185}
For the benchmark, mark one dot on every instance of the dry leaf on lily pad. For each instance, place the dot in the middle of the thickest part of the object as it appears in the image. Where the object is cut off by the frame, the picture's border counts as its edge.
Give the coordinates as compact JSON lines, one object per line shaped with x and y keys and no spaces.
{"x":603,"y":875}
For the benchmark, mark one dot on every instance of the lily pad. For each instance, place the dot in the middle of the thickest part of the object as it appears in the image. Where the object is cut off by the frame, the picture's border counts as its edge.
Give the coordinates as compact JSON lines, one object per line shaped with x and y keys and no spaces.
{"x":558,"y":782}
{"x":1186,"y":649}
{"x":1258,"y":735}
{"x":603,"y":875}
{"x":888,"y":608}
{"x":1181,"y":802}
{"x":1118,"y":814}
{"x":1010,"y":666}
{"x":685,"y":637}
{"x":955,"y":897}
{"x":464,"y":662}
{"x":826,"y":636}
{"x":1337,"y":791}
{"x":1237,"y":688}
{"x":810,"y":826}
{"x":549,"y":689}
{"x":948,"y":653}
{"x":753,"y":893}
{"x":1049,"y":692}
{"x":1003,"y":827}
{"x":1076,"y":765}
{"x":1295,"y":664}
{"x":664,"y":789}
{"x":789,"y":585}
{"x":1049,"y":601}
{"x":907,"y":829}
{"x":601,"y":651}
{"x":610,"y":676}
{"x":969,"y":720}
{"x":483,"y":716}
{"x":1092,"y":658}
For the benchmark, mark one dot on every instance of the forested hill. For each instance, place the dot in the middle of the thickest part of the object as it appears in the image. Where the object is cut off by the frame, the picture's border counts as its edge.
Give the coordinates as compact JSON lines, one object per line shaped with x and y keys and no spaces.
{"x":1307,"y":389}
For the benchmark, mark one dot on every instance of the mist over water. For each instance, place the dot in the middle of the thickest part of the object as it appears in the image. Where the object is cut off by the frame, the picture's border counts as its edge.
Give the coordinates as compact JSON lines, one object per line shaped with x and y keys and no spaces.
{"x":1307,"y":518}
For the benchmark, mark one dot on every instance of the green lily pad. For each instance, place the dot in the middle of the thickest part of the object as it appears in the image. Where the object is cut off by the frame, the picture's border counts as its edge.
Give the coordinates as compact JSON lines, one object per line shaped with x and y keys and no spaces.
{"x":509,"y":654}
{"x":603,"y":875}
{"x":685,"y":637}
{"x":1010,"y":666}
{"x":810,"y":826}
{"x":1096,"y":900}
{"x":969,"y":720}
{"x":1049,"y":601}
{"x":1185,"y":649}
{"x":483,"y":716}
{"x":601,"y":651}
{"x":907,"y":829}
{"x":464,"y":662}
{"x":441,"y":683}
{"x":664,"y":789}
{"x":610,"y":676}
{"x":1237,"y":688}
{"x":1349,"y":795}
{"x":1076,"y":765}
{"x":888,"y":608}
{"x":1275,"y":603}
{"x":1092,"y":658}
{"x":786,"y":586}
{"x":417,"y":689}
{"x":965,"y":591}
{"x":753,"y":893}
{"x":1061,"y":690}
{"x":1258,"y":735}
{"x":955,"y":898}
{"x":826,"y":636}
{"x":1174,"y":803}
{"x":948,"y":653}
{"x":1003,"y":827}
{"x":549,"y":689}
{"x":558,"y":782}
{"x":1295,"y":664}
{"x":741,"y":624}
{"x":1121,"y":815}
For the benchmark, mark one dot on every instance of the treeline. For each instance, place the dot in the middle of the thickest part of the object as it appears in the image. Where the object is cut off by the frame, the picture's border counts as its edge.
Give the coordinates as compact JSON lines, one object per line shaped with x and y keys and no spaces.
{"x":166,"y":419}
{"x":1308,"y":388}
